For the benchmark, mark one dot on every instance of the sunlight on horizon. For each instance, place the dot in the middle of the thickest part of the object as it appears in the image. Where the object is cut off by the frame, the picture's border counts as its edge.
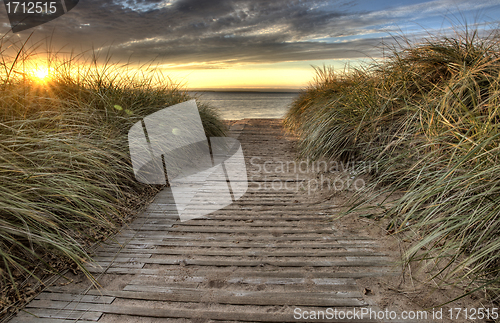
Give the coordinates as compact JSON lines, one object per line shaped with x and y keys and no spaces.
{"x":275,"y":76}
{"x":40,"y":74}
{"x":242,"y":78}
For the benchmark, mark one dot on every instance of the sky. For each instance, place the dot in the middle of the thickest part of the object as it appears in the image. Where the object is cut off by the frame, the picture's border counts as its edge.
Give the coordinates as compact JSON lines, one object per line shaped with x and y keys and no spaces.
{"x":247,"y":44}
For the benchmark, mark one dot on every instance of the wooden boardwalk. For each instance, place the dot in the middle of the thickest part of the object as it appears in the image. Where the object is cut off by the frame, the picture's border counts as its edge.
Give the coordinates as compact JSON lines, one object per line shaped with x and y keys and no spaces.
{"x":254,"y":261}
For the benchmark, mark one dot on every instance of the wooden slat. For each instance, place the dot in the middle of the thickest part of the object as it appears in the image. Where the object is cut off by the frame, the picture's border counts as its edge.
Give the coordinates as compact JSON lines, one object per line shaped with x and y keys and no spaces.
{"x":287,"y":284}
{"x":308,"y":252}
{"x":243,"y":244}
{"x":313,"y":237}
{"x":26,"y":318}
{"x":59,"y":312}
{"x":103,"y":265}
{"x":151,"y":293}
{"x":246,"y":215}
{"x":241,"y":223}
{"x":155,"y":293}
{"x":166,"y":312}
{"x":153,"y":271}
{"x":123,"y":262}
{"x":222,"y":229}
{"x":75,"y":298}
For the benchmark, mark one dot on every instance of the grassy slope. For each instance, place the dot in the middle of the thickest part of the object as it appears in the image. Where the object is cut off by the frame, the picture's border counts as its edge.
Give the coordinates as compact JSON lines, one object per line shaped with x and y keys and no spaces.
{"x":429,"y":117}
{"x":65,"y":172}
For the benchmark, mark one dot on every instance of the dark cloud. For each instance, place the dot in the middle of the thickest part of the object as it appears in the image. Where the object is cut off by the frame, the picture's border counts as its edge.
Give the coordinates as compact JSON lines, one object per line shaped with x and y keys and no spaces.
{"x":217,"y":31}
{"x":203,"y":8}
{"x":199,"y":30}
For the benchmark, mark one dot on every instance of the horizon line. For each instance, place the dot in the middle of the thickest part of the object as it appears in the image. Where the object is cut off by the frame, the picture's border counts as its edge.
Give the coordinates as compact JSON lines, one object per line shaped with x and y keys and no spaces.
{"x":221,"y":89}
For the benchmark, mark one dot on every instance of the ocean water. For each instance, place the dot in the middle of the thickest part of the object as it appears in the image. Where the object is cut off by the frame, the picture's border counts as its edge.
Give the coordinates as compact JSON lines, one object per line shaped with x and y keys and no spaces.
{"x":241,"y":105}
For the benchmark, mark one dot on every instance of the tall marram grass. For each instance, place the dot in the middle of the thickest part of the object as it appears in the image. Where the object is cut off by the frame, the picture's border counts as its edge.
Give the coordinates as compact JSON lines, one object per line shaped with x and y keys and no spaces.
{"x":429,"y":117}
{"x":65,"y":172}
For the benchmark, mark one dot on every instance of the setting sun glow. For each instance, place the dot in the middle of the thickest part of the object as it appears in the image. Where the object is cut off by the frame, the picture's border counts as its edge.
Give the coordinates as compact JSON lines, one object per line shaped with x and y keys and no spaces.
{"x":40,"y":74}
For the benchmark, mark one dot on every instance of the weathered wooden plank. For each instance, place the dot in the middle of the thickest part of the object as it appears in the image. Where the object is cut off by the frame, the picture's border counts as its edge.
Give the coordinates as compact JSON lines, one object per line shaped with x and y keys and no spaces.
{"x":240,"y":244}
{"x":180,"y":284}
{"x":307,"y":208}
{"x":104,"y":264}
{"x":33,"y":319}
{"x":269,"y":237}
{"x":222,"y":297}
{"x":242,"y":297}
{"x":242,"y":223}
{"x":285,"y":284}
{"x":123,"y":252}
{"x":245,"y":316}
{"x":270,"y":194}
{"x":271,"y":204}
{"x":272,"y":220}
{"x":292,"y":207}
{"x":308,"y":252}
{"x":249,"y":280}
{"x":215,"y":229}
{"x":123,"y":262}
{"x":60,"y":312}
{"x":264,"y":214}
{"x":370,"y":272}
{"x":75,"y":298}
{"x":150,"y":227}
{"x":150,"y":214}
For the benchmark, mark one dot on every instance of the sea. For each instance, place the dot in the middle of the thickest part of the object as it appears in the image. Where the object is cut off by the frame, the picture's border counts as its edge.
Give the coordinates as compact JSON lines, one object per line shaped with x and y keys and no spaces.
{"x":242,"y":105}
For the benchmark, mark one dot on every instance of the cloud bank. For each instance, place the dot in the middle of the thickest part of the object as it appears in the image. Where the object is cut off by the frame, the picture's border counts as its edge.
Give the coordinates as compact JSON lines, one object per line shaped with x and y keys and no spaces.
{"x":222,"y":33}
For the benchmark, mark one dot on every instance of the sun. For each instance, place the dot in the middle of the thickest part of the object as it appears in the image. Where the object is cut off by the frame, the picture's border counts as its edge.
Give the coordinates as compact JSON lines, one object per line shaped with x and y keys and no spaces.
{"x":40,"y":74}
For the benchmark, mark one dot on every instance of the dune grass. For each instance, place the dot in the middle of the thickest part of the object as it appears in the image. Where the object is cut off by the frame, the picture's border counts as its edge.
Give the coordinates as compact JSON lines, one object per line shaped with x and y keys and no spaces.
{"x":65,"y":171}
{"x":428,"y":116}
